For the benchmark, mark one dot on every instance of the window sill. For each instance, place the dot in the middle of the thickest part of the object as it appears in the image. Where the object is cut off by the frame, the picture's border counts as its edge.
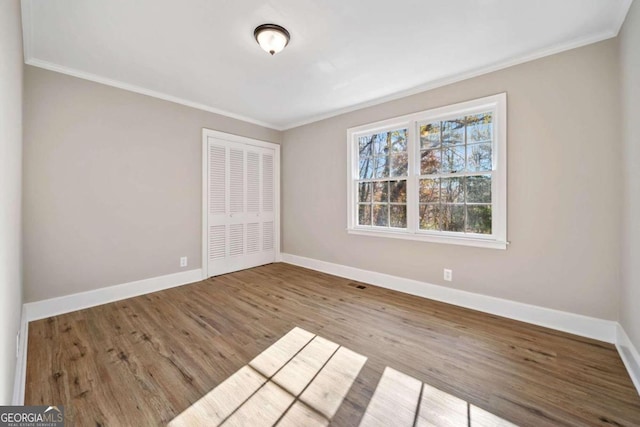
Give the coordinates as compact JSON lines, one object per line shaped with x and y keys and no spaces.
{"x":452,"y":240}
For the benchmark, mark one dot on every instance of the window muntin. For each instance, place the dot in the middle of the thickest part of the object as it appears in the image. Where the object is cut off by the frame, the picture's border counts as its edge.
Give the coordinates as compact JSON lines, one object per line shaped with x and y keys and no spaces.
{"x":438,"y":175}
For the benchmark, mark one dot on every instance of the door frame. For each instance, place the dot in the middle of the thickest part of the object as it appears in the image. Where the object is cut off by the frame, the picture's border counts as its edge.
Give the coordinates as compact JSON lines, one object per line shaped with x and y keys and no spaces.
{"x":206,"y":133}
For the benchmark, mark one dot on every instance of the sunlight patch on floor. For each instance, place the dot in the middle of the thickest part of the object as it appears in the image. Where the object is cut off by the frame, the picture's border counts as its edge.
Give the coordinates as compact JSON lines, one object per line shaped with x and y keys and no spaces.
{"x":300,"y":380}
{"x":401,"y":400}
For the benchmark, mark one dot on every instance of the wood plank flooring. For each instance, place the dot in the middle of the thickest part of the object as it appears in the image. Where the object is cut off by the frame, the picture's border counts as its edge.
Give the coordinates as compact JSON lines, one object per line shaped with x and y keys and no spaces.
{"x":144,"y":360}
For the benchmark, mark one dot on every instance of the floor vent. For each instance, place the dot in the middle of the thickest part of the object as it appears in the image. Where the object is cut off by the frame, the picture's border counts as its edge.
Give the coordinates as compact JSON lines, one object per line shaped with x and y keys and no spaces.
{"x":361,"y":287}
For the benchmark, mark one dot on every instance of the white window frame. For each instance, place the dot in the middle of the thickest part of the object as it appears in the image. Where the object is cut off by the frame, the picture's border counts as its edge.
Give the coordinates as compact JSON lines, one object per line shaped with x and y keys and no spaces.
{"x":497,"y":104}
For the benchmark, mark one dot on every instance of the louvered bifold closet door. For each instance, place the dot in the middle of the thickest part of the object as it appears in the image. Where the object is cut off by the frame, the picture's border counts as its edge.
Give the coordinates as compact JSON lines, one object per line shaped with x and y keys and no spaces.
{"x":268,"y":200}
{"x":241,"y":206}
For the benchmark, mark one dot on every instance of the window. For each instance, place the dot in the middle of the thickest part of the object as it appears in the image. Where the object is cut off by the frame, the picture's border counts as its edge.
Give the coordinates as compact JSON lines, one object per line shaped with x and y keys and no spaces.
{"x":438,"y":175}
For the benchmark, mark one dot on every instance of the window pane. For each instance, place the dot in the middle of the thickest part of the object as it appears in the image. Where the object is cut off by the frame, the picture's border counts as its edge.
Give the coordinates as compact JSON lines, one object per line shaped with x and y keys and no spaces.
{"x":398,"y":191}
{"x":364,"y":192}
{"x":430,"y":135}
{"x":430,"y":190}
{"x":479,"y":128}
{"x":399,"y":216}
{"x":399,"y":141}
{"x":430,"y":161}
{"x":365,"y":145}
{"x":381,"y":191}
{"x":453,"y":132}
{"x":429,"y":217}
{"x":381,"y":169}
{"x":366,"y":168}
{"x":381,"y":215}
{"x":381,"y":144}
{"x":399,"y":164}
{"x":453,"y":159}
{"x":452,"y":190}
{"x":479,"y":157}
{"x":479,"y":219}
{"x":479,"y":189}
{"x":452,"y":217}
{"x":364,"y":214}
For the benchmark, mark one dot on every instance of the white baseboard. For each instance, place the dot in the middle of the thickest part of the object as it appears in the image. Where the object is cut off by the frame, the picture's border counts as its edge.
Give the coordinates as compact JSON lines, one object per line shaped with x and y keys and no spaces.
{"x":68,"y":303}
{"x":629,"y":355}
{"x":591,"y":327}
{"x":21,"y":361}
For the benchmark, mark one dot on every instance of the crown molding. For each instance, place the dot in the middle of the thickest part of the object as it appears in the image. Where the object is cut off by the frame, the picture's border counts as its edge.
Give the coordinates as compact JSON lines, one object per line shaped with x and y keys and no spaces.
{"x":143,"y":91}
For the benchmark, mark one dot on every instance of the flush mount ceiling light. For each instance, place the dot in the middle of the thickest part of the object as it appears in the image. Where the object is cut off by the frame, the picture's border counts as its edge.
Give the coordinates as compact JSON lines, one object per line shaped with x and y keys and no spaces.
{"x":271,"y":37}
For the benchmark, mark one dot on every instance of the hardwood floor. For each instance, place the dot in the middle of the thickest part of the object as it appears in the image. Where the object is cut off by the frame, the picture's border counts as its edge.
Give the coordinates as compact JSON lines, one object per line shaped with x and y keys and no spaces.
{"x":144,"y":360}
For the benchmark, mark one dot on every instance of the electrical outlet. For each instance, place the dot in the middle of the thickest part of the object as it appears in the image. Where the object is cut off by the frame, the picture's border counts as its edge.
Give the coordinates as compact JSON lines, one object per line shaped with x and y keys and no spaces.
{"x":183,"y":261}
{"x":448,"y":274}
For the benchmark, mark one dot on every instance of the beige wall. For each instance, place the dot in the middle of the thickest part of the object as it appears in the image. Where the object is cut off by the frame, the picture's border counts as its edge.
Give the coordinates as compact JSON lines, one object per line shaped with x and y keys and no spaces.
{"x":630,"y":85}
{"x":10,"y":190}
{"x":563,"y":189}
{"x":112,"y":184}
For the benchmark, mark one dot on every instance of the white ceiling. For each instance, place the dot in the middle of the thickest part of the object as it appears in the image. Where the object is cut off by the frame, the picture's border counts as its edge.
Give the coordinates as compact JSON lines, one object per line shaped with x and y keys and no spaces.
{"x":343,"y":54}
